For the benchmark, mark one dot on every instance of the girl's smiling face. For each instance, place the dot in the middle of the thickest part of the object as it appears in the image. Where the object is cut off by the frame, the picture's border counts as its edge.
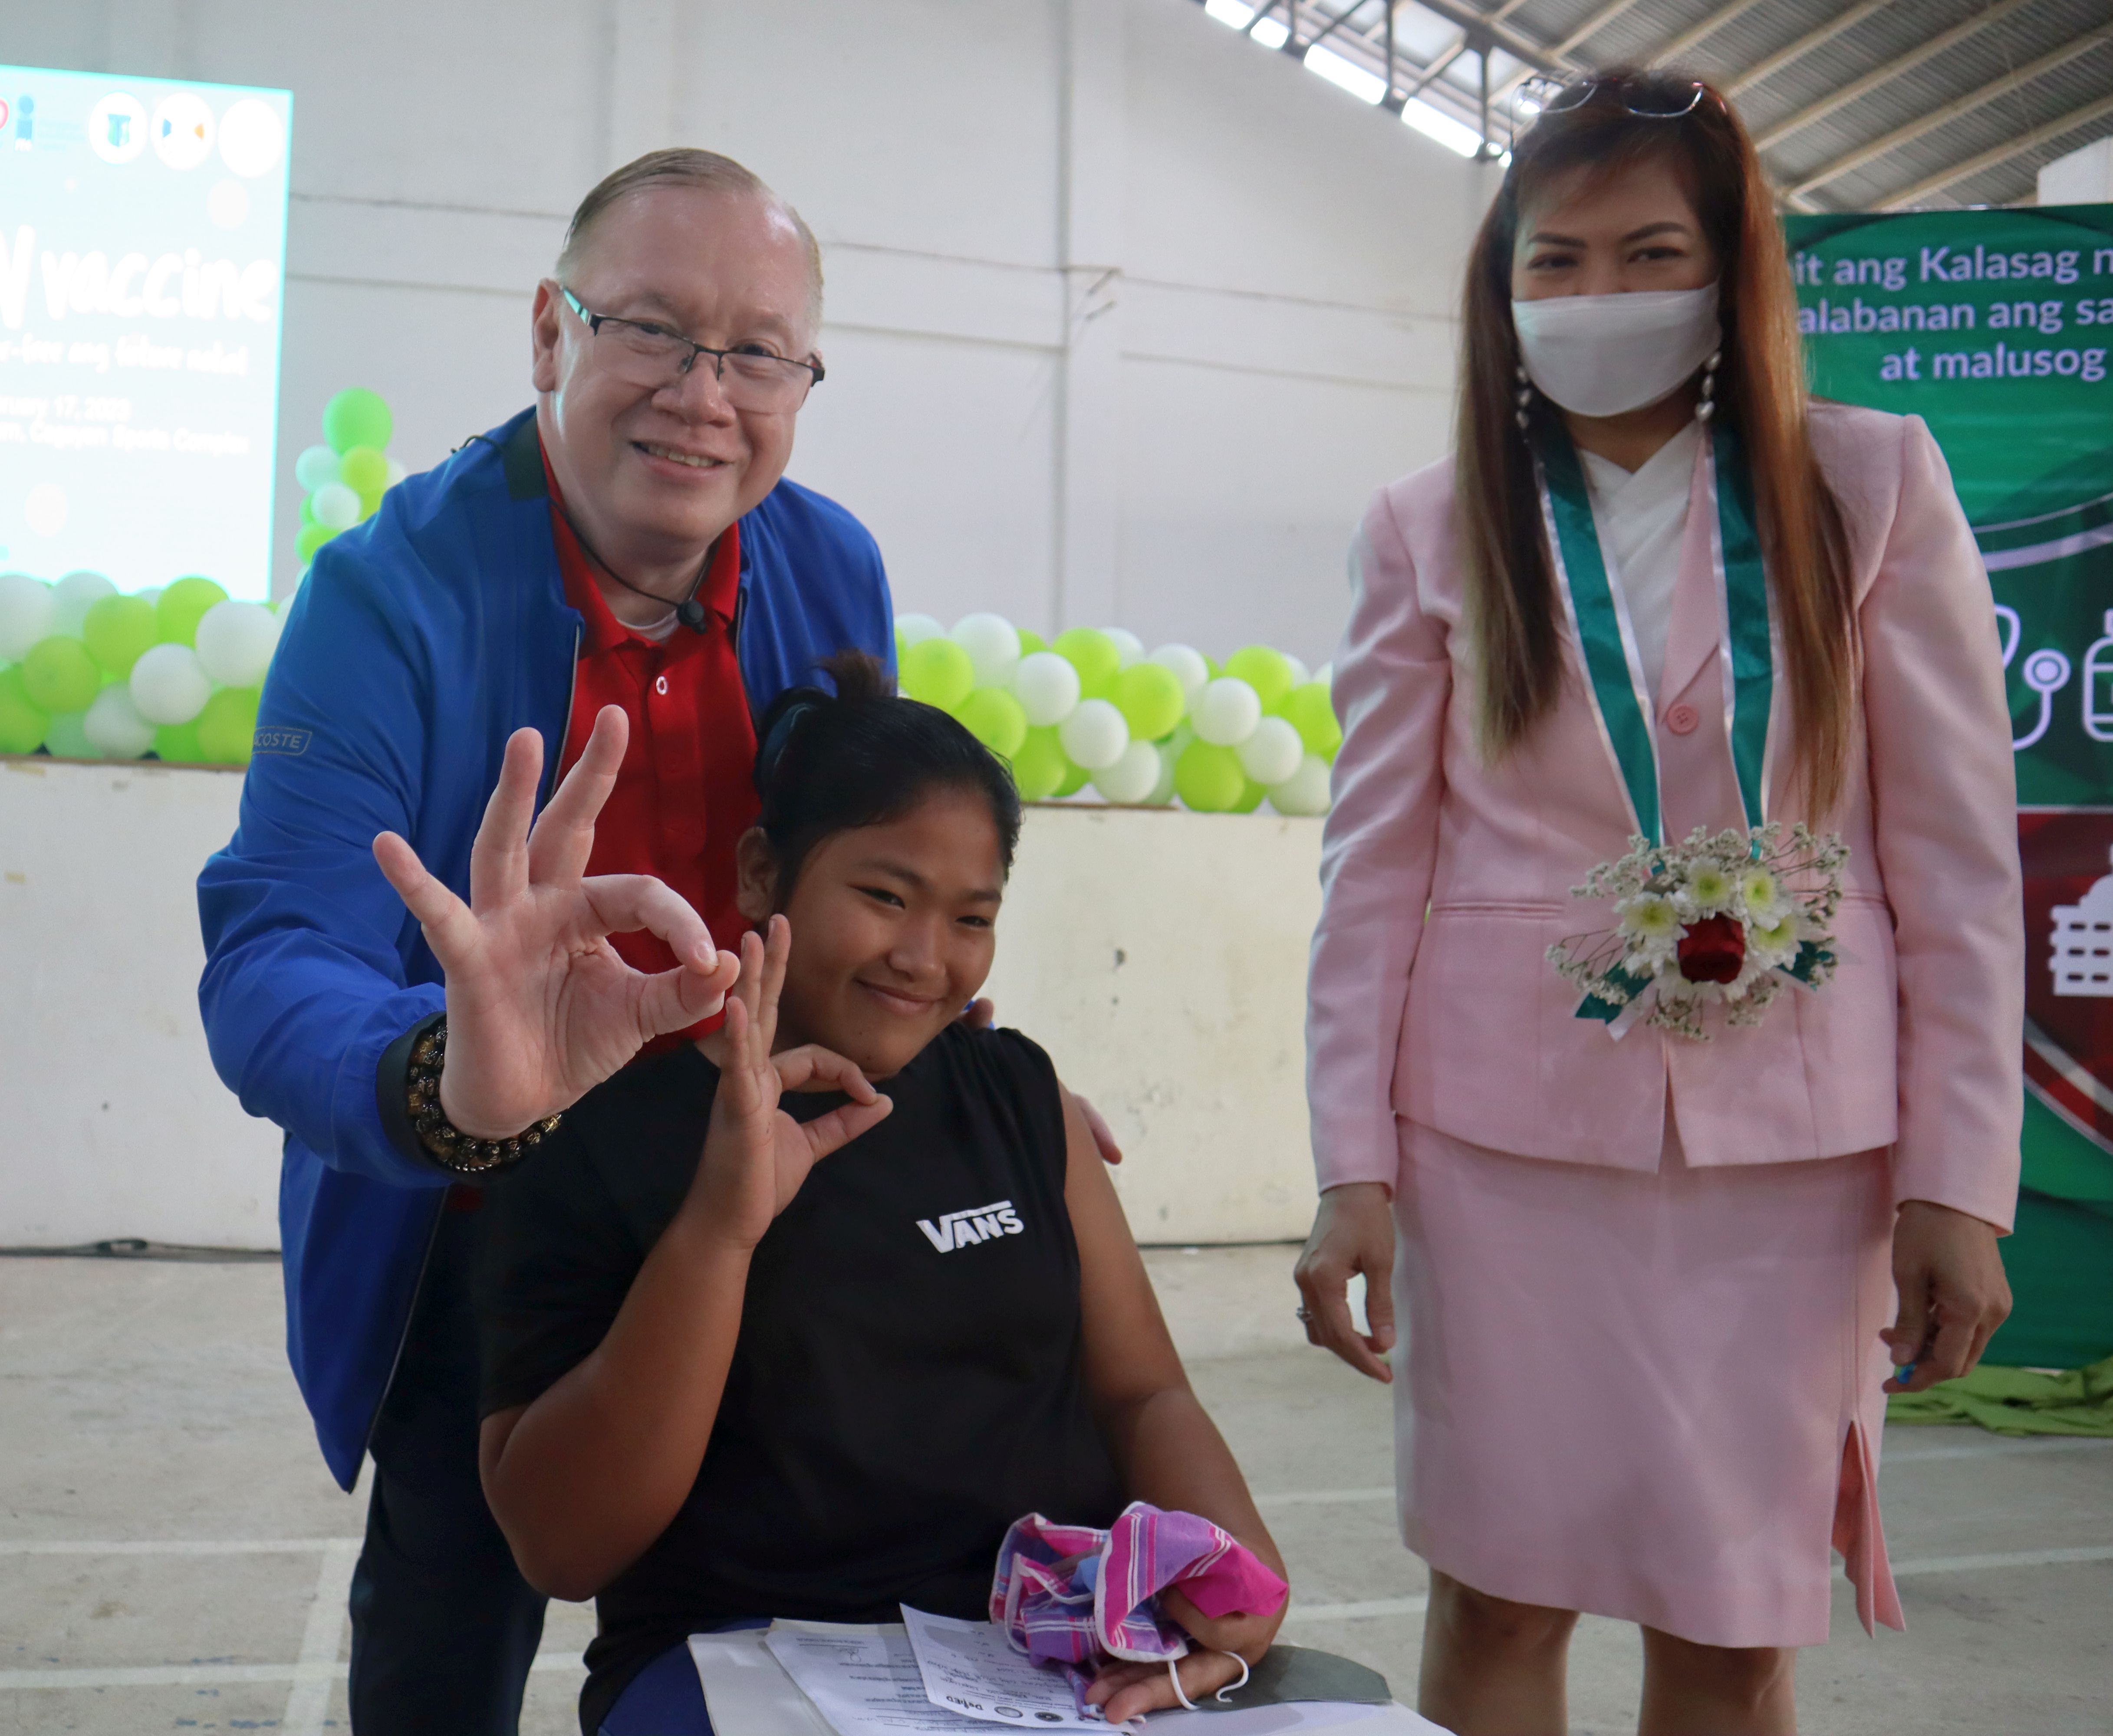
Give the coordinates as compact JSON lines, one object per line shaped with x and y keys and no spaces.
{"x":894,"y":927}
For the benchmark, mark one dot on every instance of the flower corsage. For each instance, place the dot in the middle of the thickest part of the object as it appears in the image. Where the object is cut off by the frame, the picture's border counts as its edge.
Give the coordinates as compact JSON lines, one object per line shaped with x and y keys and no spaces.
{"x":1724,"y":919}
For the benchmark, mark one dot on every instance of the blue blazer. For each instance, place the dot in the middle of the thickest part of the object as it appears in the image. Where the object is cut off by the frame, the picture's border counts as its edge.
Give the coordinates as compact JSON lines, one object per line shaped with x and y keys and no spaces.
{"x":418,"y":643}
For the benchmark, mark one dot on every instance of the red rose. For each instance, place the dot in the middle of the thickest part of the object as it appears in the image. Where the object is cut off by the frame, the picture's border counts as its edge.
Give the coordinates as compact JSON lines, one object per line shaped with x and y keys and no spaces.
{"x":1712,"y":949}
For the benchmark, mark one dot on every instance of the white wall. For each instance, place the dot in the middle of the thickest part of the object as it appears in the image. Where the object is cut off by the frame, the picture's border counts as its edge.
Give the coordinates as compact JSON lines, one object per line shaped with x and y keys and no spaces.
{"x":1127,"y":317}
{"x":1159,"y":956}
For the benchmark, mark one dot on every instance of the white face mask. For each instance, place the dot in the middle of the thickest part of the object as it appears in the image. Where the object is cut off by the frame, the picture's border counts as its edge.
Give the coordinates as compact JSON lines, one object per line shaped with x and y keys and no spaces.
{"x":1602,"y":355}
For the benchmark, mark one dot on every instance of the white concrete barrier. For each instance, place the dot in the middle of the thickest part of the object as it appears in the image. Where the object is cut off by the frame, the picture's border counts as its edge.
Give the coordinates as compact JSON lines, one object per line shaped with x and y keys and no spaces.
{"x":1159,"y":957}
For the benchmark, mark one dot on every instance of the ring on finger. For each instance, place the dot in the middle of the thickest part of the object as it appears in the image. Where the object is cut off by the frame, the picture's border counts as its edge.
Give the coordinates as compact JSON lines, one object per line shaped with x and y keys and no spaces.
{"x":1303,"y":1312}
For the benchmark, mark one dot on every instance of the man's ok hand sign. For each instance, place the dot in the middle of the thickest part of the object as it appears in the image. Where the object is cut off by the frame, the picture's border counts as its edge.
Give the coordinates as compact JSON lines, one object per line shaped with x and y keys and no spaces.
{"x":541,"y":1010}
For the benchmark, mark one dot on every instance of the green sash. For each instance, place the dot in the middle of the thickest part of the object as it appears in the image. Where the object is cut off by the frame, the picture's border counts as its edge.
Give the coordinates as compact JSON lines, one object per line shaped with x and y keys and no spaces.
{"x":1622,"y":705}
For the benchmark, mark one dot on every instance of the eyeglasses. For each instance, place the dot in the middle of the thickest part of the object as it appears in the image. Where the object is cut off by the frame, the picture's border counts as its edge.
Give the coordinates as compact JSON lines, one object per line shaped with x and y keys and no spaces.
{"x":645,"y":355}
{"x":1647,"y":99}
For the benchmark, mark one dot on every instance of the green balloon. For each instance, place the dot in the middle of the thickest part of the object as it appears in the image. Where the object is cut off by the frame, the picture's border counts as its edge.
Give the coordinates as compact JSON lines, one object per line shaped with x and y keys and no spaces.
{"x":178,"y":744}
{"x":117,"y":630}
{"x":180,"y":609}
{"x":1269,"y":672}
{"x":1038,"y":765}
{"x":23,"y":722}
{"x":1308,"y":710}
{"x":938,"y":672}
{"x":1208,"y":778}
{"x":312,"y":538}
{"x":1094,"y":655}
{"x":1250,"y":798}
{"x":59,"y":676}
{"x":364,"y":471}
{"x":227,"y":726}
{"x":994,"y":718}
{"x":1151,"y":699}
{"x":357,"y":417}
{"x":1076,"y":779}
{"x":308,"y":510}
{"x":1031,"y":640}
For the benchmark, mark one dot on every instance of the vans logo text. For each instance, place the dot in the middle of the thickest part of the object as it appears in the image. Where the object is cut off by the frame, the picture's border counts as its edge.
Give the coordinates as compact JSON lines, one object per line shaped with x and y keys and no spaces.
{"x":961,"y":1229}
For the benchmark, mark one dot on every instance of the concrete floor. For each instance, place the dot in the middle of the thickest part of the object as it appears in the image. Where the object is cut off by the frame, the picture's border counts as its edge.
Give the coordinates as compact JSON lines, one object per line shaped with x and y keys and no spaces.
{"x":174,"y":1557}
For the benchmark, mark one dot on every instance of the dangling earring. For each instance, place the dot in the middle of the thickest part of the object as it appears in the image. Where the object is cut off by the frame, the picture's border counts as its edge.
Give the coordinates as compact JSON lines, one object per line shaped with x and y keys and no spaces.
{"x":1523,"y":396}
{"x":1708,"y":407}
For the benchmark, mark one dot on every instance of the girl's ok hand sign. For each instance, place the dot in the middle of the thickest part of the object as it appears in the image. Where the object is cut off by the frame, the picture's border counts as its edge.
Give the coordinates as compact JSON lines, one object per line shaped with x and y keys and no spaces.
{"x":756,"y":1156}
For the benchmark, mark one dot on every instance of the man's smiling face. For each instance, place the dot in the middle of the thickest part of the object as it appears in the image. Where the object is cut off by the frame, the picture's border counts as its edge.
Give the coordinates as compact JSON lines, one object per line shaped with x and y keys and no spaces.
{"x":654,"y":475}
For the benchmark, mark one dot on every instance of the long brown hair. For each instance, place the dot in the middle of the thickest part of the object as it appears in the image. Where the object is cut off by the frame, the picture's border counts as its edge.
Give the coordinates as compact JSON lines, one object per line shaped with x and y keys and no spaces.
{"x":1513,"y":610}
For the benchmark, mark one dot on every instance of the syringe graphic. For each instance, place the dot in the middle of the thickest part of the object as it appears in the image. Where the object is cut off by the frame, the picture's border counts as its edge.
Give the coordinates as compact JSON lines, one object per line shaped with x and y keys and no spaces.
{"x":2098,"y":686}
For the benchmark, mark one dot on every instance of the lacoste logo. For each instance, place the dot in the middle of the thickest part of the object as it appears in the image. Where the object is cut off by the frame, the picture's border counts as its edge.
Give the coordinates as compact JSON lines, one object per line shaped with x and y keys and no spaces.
{"x":961,"y":1229}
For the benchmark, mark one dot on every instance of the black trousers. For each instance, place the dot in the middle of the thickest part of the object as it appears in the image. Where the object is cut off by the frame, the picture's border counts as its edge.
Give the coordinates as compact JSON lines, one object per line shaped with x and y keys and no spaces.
{"x":444,"y":1627}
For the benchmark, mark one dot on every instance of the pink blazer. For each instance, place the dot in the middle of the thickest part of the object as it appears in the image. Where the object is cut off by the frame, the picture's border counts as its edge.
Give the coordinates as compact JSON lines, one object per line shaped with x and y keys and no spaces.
{"x":1445,"y":878}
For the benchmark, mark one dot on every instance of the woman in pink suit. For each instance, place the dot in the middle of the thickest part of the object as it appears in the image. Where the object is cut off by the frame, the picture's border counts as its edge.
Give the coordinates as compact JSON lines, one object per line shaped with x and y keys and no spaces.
{"x":1649,"y":1281}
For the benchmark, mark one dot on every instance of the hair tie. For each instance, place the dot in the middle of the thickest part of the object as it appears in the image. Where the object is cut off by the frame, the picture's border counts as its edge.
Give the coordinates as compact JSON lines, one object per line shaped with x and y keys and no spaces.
{"x":779,"y":738}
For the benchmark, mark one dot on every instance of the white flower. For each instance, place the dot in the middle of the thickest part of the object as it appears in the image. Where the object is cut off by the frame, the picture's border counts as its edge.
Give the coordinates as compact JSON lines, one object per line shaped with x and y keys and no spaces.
{"x":1650,"y":923}
{"x":1761,"y":893}
{"x":1709,"y":889}
{"x":1774,"y":945}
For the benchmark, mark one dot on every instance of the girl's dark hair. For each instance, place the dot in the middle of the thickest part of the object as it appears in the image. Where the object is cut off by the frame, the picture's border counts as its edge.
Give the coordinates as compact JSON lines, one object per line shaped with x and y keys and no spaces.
{"x":863,"y":756}
{"x":1760,"y":392}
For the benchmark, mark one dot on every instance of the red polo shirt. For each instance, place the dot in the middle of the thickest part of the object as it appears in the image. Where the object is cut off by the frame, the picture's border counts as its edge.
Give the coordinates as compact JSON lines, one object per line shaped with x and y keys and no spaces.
{"x":685,"y":791}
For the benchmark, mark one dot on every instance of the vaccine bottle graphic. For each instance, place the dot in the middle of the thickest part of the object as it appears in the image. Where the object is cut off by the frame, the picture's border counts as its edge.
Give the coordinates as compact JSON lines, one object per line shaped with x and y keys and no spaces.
{"x":2098,"y":686}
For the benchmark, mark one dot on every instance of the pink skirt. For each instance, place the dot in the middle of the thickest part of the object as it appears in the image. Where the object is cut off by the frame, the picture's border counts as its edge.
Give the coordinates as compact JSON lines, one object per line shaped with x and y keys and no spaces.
{"x":1655,"y":1397}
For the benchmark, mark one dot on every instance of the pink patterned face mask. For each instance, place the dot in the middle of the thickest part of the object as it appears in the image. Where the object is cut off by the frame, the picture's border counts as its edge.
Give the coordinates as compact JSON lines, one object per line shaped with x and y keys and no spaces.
{"x":1074,"y":1597}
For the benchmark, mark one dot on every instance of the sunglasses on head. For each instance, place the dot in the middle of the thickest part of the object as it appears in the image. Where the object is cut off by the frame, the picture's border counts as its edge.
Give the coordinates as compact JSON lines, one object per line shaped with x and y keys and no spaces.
{"x":1647,"y":99}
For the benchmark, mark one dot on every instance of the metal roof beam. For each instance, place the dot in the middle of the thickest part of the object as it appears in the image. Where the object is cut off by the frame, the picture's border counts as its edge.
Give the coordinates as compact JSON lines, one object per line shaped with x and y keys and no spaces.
{"x":1951,"y":111}
{"x":1563,"y":50}
{"x":1520,"y":49}
{"x":2001,"y":153}
{"x":1884,"y":74}
{"x":1699,"y":31}
{"x":1768,"y":64}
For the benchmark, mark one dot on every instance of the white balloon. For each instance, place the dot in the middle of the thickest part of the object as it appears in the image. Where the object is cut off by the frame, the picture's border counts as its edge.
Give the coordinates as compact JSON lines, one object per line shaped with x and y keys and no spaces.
{"x":67,"y":738}
{"x":992,"y":643}
{"x":1047,"y":686}
{"x":114,"y":726}
{"x":1325,"y":675}
{"x":911,"y":630}
{"x":1272,"y":753}
{"x":1305,"y":791}
{"x":26,"y":607}
{"x":1300,"y":674}
{"x":1132,"y":777}
{"x":168,"y":685}
{"x":1189,"y":669}
{"x":396,"y":472}
{"x":1131,"y":647}
{"x":1170,"y":756}
{"x":336,"y":505}
{"x":317,"y":465}
{"x":73,"y":596}
{"x":234,"y":642}
{"x":1094,"y":735}
{"x":152,"y":593}
{"x":1226,"y":711}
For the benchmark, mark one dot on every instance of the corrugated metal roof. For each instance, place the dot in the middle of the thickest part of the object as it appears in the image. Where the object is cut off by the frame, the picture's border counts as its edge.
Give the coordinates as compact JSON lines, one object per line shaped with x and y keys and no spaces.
{"x":1853,"y":109}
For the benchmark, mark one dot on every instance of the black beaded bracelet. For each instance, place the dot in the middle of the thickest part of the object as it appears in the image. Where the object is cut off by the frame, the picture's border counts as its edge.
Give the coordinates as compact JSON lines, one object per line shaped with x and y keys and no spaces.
{"x":449,"y":1147}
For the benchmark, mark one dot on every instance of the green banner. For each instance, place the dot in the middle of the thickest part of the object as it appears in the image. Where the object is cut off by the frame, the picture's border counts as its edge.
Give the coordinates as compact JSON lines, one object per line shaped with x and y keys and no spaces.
{"x":1995,"y":327}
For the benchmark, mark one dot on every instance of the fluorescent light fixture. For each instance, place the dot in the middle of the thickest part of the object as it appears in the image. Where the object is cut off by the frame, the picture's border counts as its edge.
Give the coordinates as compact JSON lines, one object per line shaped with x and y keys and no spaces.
{"x":1270,"y":33}
{"x":1432,"y":124}
{"x":1367,"y":87}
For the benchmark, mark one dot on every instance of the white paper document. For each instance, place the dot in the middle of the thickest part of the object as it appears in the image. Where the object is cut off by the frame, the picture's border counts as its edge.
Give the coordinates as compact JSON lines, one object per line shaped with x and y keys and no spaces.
{"x":863,"y":1680}
{"x":833,"y":1679}
{"x":970,"y":1667}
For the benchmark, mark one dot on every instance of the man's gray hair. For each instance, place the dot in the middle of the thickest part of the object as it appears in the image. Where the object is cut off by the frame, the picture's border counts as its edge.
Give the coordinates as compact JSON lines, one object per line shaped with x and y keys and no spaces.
{"x":707,"y":171}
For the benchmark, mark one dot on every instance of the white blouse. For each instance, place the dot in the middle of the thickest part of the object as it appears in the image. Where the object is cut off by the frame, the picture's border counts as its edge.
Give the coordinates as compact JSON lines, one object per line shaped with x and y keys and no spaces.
{"x":1642,"y":518}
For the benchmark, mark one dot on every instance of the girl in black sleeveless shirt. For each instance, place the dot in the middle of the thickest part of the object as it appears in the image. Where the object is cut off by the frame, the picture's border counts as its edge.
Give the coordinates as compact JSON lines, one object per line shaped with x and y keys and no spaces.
{"x":755,"y":1354}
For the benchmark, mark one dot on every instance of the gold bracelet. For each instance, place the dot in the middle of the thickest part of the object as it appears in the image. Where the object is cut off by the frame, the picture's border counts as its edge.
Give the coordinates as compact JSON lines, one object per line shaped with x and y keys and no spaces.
{"x":451,"y":1147}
